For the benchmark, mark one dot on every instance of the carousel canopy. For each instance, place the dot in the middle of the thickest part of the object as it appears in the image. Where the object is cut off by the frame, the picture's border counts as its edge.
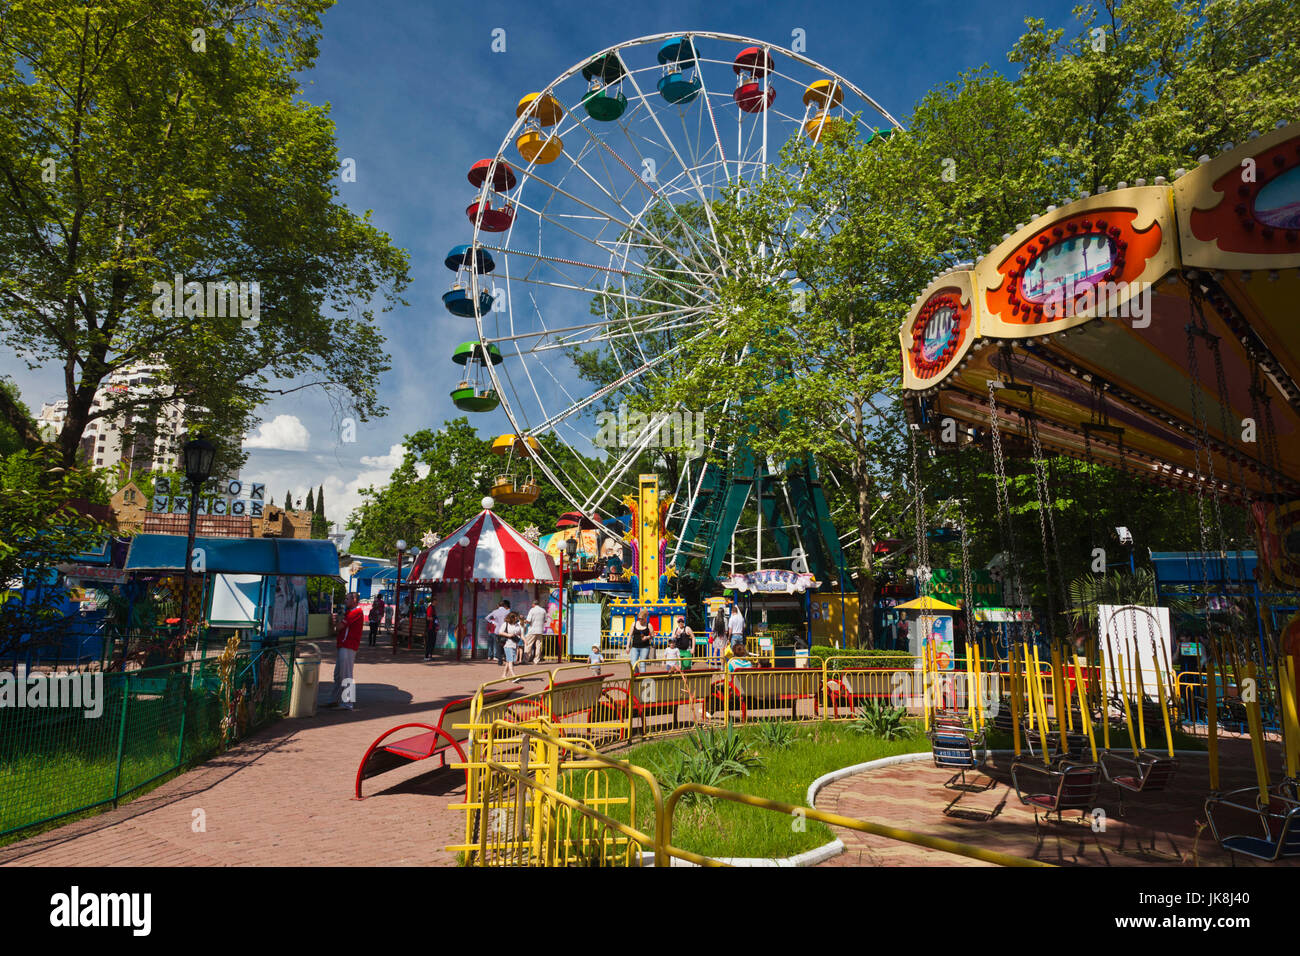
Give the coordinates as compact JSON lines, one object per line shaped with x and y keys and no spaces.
{"x":496,"y":554}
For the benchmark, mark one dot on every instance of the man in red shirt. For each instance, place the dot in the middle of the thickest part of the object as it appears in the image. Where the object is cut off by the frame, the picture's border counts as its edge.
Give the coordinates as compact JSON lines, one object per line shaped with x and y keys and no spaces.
{"x":349,"y":640}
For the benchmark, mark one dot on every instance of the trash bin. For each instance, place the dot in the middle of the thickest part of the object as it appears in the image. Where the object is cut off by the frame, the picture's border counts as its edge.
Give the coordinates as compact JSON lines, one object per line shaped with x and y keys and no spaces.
{"x":306,"y":675}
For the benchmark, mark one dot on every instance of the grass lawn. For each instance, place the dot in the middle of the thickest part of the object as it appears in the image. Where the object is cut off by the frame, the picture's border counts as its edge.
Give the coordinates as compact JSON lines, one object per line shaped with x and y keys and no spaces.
{"x":732,"y":830}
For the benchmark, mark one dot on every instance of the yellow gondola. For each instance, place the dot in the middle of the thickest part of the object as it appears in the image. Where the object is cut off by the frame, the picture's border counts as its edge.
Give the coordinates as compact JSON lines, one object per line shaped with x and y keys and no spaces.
{"x":536,"y":144}
{"x":507,"y":489}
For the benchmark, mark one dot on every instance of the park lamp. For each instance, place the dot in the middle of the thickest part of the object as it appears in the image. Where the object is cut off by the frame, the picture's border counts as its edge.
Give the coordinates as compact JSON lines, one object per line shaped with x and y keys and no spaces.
{"x":198,"y":453}
{"x":572,"y":547}
{"x":401,"y":545}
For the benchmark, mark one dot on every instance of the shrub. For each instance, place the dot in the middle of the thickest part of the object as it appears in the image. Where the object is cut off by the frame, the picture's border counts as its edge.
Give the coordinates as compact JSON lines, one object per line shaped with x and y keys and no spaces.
{"x":840,"y":659}
{"x":877,"y":719}
{"x":777,"y":735}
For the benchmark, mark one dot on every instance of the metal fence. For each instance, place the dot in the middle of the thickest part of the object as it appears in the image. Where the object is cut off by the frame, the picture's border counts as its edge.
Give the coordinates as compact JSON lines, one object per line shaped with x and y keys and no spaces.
{"x":71,"y":742}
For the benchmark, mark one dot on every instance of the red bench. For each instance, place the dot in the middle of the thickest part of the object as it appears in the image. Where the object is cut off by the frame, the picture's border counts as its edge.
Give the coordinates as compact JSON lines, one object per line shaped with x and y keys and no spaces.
{"x":436,"y":740}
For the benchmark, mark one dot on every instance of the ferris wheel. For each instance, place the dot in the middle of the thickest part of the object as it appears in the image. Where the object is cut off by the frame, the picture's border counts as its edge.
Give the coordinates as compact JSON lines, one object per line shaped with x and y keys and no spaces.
{"x":594,"y":259}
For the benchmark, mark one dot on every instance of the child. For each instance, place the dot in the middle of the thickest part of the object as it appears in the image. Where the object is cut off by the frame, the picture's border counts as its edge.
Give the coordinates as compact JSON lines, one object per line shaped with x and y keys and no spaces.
{"x":595,"y":660}
{"x":672,"y":659}
{"x":513,"y":638}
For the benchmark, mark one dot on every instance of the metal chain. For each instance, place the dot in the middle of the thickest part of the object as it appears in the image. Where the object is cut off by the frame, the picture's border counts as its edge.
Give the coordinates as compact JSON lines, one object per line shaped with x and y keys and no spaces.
{"x":918,"y":504}
{"x":1004,"y":506}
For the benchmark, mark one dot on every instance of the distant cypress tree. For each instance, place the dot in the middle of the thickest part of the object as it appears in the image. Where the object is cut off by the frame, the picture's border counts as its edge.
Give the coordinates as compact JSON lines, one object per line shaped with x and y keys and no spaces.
{"x":320,"y":501}
{"x":311,"y":503}
{"x":288,"y":501}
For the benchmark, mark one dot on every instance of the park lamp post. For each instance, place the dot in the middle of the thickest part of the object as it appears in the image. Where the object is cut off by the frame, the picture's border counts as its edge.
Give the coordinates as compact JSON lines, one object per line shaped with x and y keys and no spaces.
{"x":571,"y":550}
{"x":464,"y":544}
{"x":198,"y":454}
{"x":397,"y":595}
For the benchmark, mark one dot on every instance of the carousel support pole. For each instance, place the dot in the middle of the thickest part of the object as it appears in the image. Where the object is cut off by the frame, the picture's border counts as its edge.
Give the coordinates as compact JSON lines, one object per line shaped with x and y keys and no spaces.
{"x":473,"y":628}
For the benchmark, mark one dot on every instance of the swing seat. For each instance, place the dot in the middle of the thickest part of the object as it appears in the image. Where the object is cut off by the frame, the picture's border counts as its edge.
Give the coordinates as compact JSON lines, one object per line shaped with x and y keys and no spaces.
{"x":953,"y":748}
{"x":1070,"y":786}
{"x":1281,"y":816}
{"x":1148,"y":772}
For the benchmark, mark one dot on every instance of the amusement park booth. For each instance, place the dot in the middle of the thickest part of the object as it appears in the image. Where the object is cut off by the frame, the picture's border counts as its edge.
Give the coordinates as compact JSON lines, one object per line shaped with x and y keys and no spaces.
{"x":473,"y":569}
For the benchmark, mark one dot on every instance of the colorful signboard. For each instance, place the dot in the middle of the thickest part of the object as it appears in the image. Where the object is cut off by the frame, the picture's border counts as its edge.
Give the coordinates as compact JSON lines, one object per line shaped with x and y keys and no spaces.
{"x":773,"y":581}
{"x":227,"y":497}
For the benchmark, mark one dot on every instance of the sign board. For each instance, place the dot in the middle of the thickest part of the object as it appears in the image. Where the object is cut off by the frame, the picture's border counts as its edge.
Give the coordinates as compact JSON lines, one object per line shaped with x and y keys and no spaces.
{"x":231,"y":496}
{"x":1137,"y":637}
{"x":946,"y":586}
{"x":584,"y":628}
{"x":1189,"y":649}
{"x":935,"y":633}
{"x":773,"y":581}
{"x":287,"y":613}
{"x":236,"y":600}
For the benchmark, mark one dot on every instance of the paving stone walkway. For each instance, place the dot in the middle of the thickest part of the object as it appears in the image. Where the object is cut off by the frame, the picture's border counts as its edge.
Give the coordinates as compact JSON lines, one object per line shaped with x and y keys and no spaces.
{"x":283,"y":797}
{"x":1157,"y":829}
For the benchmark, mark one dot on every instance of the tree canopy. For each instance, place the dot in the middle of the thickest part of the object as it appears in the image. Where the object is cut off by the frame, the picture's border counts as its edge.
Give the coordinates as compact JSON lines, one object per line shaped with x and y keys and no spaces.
{"x":150,"y":145}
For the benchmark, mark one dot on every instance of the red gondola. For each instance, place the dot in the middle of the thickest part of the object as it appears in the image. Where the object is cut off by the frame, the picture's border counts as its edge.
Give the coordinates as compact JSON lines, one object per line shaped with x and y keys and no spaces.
{"x":752,"y":66}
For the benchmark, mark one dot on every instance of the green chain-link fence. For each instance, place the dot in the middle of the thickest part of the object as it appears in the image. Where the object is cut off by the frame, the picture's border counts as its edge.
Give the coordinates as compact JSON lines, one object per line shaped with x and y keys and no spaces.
{"x":144,"y":724}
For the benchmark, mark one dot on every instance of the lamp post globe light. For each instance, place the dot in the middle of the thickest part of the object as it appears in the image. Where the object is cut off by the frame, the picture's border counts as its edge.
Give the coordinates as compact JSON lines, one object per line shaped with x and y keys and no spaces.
{"x":198,"y":454}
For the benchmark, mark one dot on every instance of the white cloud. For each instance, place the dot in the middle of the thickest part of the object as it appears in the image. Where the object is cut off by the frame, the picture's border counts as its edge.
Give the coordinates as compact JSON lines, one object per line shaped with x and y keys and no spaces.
{"x":282,"y":433}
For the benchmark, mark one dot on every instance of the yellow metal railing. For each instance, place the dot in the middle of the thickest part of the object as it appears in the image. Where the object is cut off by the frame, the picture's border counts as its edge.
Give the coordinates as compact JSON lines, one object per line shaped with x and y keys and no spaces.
{"x":518,"y":812}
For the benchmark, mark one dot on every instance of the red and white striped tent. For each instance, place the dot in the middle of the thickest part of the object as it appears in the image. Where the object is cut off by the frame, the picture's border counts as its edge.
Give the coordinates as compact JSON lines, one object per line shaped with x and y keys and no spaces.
{"x":496,"y":554}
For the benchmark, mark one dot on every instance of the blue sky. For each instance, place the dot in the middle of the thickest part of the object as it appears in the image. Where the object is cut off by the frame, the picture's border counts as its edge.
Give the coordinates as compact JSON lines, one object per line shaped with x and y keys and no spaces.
{"x":418,"y":94}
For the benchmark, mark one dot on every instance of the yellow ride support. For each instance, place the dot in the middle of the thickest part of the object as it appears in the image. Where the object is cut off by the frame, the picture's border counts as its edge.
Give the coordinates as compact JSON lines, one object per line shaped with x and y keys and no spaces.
{"x":1212,"y":722}
{"x":1085,"y":715}
{"x":1059,"y":699}
{"x":1105,"y":705}
{"x":1290,"y":713}
{"x":1015,"y":700}
{"x":1256,"y":733}
{"x":1164,"y":710}
{"x":1123,"y":696}
{"x":1141,"y":697}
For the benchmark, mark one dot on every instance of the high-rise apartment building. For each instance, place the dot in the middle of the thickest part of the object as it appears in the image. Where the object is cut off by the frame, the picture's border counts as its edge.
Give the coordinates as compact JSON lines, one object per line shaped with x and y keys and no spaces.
{"x":133,"y":440}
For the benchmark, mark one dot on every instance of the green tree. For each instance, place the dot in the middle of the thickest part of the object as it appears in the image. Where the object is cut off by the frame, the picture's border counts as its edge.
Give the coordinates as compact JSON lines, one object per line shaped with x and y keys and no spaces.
{"x":40,"y":527}
{"x":11,"y":437}
{"x":145,"y":139}
{"x":311,"y":501}
{"x":440,"y":484}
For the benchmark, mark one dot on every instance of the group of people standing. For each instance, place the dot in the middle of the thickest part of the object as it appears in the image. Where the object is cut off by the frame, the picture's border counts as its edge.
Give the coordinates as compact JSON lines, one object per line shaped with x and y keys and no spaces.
{"x":512,"y":638}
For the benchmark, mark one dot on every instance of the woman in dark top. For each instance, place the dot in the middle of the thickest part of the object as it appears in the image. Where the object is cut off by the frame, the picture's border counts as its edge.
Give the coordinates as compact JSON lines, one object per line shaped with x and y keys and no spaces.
{"x":430,"y":630}
{"x":638,"y":645}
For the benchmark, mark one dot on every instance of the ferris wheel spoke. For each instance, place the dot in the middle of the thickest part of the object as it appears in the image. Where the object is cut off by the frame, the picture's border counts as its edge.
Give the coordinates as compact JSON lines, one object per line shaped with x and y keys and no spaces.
{"x":699,"y":189}
{"x":630,"y":225}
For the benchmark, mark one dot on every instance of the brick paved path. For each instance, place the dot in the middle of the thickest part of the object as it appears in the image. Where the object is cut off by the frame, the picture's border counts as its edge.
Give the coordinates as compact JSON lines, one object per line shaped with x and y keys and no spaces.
{"x":284,"y":796}
{"x":1158,"y":829}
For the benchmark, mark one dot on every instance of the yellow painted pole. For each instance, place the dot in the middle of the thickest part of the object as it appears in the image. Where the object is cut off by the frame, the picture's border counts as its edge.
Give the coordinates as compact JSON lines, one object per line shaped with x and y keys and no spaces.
{"x":1141,"y":697}
{"x":1084,"y":716}
{"x":1128,"y":717}
{"x":979,"y":688}
{"x":1032,"y":707}
{"x":972,"y":699}
{"x":1256,"y":734}
{"x":1212,"y":721}
{"x":1105,"y":706}
{"x":1164,"y":709}
{"x":1041,"y":705}
{"x":925,"y":683}
{"x":1291,"y":713}
{"x":1059,"y":700}
{"x":1015,"y":700}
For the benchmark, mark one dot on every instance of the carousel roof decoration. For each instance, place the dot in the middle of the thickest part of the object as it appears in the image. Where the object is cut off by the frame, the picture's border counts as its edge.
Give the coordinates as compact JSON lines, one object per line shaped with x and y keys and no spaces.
{"x":1139,"y":327}
{"x":495,"y":554}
